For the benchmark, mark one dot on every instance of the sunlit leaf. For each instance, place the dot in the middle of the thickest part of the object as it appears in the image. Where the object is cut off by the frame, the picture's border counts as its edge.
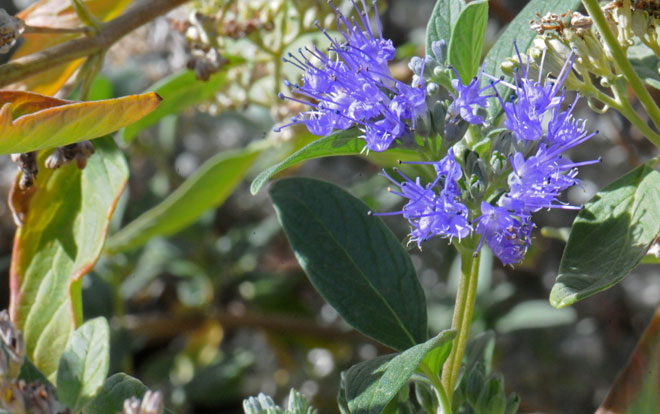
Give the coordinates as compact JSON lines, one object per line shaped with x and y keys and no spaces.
{"x":467,"y":39}
{"x":443,"y":21}
{"x":637,"y":389}
{"x":60,"y":14}
{"x":610,"y":236}
{"x":65,"y":216}
{"x":84,"y":364}
{"x":30,"y":121}
{"x":208,"y":187}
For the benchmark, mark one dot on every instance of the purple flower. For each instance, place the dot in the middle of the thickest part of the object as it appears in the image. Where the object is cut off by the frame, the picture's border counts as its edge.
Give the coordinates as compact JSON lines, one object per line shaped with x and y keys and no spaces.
{"x":536,"y":181}
{"x":508,"y":233}
{"x":533,"y":98}
{"x":469,"y":97}
{"x":436,"y":208}
{"x":356,"y":88}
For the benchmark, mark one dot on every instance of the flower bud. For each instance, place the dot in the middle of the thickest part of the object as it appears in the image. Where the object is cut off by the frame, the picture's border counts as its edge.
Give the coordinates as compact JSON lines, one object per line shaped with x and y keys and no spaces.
{"x":439,"y":49}
{"x":640,"y":23}
{"x":455,"y":129}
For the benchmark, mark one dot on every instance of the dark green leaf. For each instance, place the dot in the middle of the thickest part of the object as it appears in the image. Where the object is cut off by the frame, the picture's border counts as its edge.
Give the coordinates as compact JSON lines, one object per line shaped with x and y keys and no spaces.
{"x":31,"y":373}
{"x":609,"y":237}
{"x":442,"y":22}
{"x":84,"y":364}
{"x":467,"y":40}
{"x":116,"y":389}
{"x":371,"y":385}
{"x":208,"y":187}
{"x":64,"y":217}
{"x":353,"y":260}
{"x":518,"y":31}
{"x":179,"y":91}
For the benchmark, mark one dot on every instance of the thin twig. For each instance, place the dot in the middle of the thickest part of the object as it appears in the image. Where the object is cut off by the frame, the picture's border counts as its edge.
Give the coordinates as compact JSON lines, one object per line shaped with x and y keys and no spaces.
{"x":159,"y":328}
{"x":110,"y":32}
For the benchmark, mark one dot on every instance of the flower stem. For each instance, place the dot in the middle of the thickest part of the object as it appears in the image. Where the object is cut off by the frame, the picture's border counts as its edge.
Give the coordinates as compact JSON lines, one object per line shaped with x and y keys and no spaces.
{"x":622,"y":64}
{"x":467,"y":291}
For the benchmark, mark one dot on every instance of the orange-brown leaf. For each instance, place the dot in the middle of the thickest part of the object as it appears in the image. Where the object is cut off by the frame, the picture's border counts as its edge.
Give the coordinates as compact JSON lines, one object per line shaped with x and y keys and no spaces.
{"x":59,"y":14}
{"x":30,"y":121}
{"x":637,"y":389}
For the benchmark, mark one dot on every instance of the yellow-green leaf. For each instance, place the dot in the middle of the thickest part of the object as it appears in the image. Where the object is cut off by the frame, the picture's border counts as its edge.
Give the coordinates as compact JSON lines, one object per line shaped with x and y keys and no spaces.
{"x":211,"y":184}
{"x":30,"y":121}
{"x":65,"y":217}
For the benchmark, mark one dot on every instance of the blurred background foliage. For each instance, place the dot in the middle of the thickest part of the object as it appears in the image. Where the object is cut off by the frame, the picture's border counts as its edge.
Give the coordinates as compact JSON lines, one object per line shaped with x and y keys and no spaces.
{"x":213,"y":307}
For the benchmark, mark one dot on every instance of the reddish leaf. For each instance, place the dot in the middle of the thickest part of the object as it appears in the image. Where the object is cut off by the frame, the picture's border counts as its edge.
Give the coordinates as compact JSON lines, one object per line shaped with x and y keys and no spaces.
{"x":60,"y":14}
{"x":637,"y":389}
{"x":65,"y":217}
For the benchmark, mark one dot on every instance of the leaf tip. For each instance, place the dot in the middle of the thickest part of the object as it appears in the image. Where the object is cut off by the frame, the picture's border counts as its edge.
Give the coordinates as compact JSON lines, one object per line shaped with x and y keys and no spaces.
{"x":561,"y":296}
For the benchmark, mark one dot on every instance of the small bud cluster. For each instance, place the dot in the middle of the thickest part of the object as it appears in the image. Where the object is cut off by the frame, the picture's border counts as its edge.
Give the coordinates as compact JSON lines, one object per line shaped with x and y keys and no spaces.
{"x":151,"y":403}
{"x":11,"y":28}
{"x":16,"y":395}
{"x":489,"y":189}
{"x":79,"y":152}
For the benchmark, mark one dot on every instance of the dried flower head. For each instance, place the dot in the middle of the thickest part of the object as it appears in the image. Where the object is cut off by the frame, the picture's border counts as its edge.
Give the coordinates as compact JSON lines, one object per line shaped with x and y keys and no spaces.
{"x":11,"y":28}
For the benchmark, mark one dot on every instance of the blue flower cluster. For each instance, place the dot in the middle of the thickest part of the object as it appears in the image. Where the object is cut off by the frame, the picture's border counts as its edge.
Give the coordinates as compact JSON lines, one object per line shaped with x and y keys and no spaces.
{"x":356,"y":87}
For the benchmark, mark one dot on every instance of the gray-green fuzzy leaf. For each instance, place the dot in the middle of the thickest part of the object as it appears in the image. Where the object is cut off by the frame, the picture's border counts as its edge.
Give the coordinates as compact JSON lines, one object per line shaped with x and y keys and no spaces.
{"x":610,"y":236}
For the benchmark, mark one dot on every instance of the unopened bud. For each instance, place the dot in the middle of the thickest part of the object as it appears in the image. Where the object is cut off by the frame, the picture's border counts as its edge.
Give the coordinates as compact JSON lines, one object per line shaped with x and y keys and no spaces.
{"x":11,"y":29}
{"x":438,"y":114}
{"x":640,"y":23}
{"x":455,"y":129}
{"x":439,"y":49}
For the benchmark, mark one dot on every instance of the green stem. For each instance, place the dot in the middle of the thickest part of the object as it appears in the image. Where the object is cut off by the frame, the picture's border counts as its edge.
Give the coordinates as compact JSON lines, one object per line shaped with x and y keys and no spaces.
{"x":463,"y":309}
{"x":623,"y":106}
{"x":440,"y":392}
{"x":622,"y":64}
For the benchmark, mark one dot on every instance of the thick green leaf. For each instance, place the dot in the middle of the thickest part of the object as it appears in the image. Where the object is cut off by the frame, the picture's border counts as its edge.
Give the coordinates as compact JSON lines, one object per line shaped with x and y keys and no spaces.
{"x":371,"y":385}
{"x":609,"y":237}
{"x":84,"y":364}
{"x":637,"y":388}
{"x":179,"y":91}
{"x":336,"y":144}
{"x":116,"y":389}
{"x":29,"y":121}
{"x":208,"y":187}
{"x":65,"y":217}
{"x":442,"y":21}
{"x":467,"y":39}
{"x":518,"y":32}
{"x":353,"y":260}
